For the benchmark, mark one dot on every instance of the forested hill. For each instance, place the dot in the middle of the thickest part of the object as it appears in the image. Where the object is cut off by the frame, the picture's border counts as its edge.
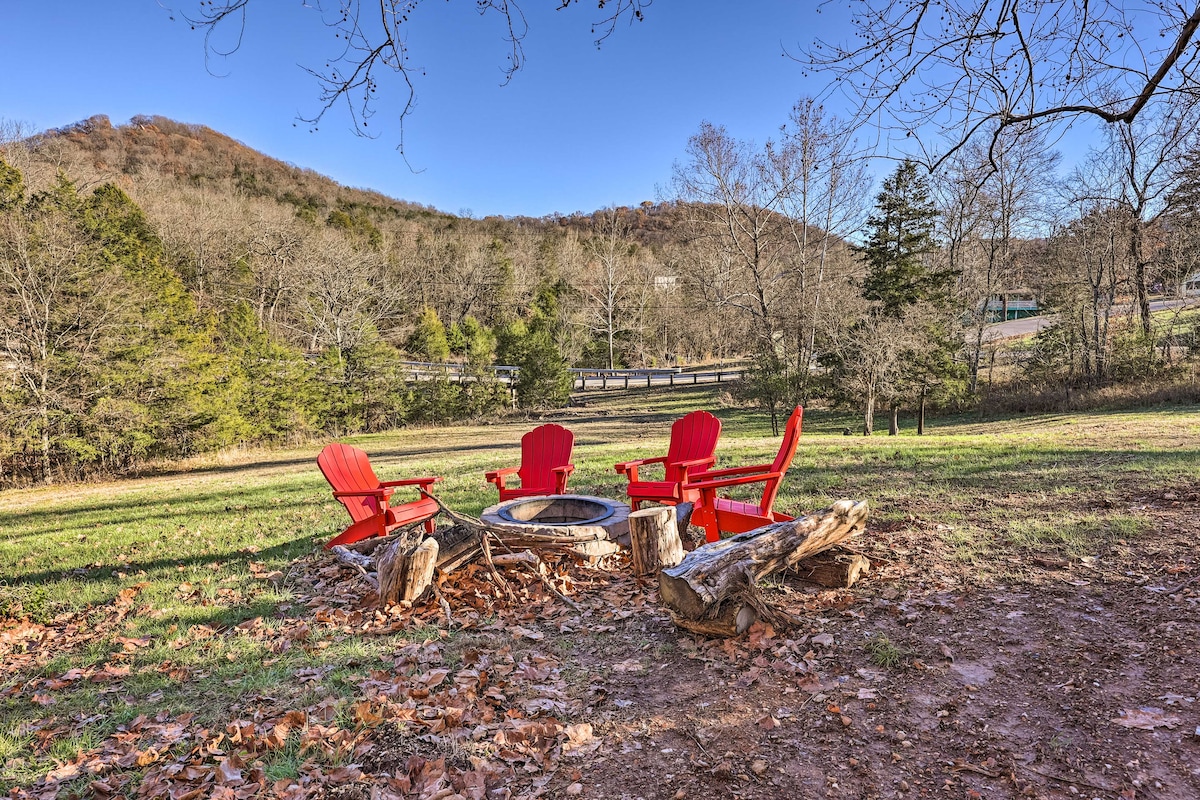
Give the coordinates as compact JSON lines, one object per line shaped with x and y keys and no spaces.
{"x":202,"y":157}
{"x":201,"y":294}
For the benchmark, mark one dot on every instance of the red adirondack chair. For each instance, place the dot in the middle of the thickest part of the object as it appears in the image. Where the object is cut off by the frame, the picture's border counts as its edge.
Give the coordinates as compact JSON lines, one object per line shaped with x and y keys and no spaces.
{"x":368,"y":499}
{"x":545,"y":464}
{"x":693,"y":440}
{"x":718,"y":514}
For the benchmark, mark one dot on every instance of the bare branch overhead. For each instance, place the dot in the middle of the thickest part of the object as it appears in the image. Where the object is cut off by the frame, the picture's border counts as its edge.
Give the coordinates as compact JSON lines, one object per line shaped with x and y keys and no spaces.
{"x":942,"y":70}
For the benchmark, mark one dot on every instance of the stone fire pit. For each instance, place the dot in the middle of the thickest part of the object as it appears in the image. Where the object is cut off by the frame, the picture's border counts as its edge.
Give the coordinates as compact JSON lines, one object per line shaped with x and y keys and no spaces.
{"x":591,"y":526}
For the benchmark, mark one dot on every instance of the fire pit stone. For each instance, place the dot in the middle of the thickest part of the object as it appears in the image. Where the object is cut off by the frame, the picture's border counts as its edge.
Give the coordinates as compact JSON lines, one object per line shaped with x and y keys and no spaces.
{"x":591,"y":526}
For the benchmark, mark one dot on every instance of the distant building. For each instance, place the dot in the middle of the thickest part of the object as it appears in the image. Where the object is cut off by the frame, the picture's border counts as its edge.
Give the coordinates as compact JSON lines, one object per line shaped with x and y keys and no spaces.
{"x":664,"y":283}
{"x":1191,"y":285}
{"x":1015,"y":304}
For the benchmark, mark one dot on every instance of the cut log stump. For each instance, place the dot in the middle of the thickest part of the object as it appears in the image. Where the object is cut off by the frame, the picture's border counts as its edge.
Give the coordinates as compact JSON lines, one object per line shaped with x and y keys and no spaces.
{"x":713,"y":590}
{"x":835,"y":569}
{"x":654,"y":539}
{"x":405,"y":574}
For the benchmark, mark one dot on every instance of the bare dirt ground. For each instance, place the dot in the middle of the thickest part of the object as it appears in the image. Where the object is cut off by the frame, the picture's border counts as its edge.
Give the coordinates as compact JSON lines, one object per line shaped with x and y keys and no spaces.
{"x":1077,"y":679}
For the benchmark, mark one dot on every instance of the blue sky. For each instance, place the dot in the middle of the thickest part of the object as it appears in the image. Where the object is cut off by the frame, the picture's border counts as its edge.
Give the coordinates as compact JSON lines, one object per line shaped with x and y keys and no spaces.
{"x":579,"y":128}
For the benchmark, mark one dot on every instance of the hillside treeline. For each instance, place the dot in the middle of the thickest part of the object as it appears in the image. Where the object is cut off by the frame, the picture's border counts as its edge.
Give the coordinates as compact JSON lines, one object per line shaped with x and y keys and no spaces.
{"x":167,"y":291}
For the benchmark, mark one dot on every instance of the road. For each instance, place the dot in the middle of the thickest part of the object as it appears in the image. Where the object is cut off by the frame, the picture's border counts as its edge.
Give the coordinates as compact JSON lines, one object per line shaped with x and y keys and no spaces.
{"x":1030,"y":325}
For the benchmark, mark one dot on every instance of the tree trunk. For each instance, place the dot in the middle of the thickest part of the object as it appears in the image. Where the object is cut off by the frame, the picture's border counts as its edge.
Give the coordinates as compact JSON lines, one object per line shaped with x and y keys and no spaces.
{"x":894,"y":422}
{"x":921,"y":414}
{"x":406,"y":574}
{"x":654,"y":539}
{"x":869,"y":416}
{"x":713,"y":590}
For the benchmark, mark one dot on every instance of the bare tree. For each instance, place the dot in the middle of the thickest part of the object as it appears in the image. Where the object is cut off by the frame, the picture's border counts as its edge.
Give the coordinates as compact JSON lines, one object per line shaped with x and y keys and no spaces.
{"x":57,"y":302}
{"x":929,"y":68}
{"x":732,"y":199}
{"x":615,"y":285}
{"x":278,"y":251}
{"x":1142,"y":160}
{"x":824,"y":206}
{"x":989,"y":201}
{"x":867,"y":352}
{"x":345,"y":294}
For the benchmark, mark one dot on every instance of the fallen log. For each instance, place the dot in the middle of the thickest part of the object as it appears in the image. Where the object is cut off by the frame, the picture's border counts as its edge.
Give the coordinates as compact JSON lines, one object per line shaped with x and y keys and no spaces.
{"x":457,"y":545}
{"x":714,"y":589}
{"x":654,"y":539}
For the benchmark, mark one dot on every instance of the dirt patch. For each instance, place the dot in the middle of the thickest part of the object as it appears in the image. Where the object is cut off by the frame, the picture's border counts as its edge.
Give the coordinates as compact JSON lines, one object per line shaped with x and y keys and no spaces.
{"x":1079,"y":678}
{"x":1080,"y":681}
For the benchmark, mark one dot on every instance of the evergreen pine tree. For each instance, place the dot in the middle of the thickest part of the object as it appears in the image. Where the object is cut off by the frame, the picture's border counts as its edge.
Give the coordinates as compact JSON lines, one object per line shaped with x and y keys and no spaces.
{"x":901,"y":240}
{"x":428,"y":341}
{"x":12,"y":186}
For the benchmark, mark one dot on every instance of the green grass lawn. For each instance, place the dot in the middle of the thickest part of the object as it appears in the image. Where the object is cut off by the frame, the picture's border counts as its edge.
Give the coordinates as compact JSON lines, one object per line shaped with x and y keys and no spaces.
{"x":186,"y":577}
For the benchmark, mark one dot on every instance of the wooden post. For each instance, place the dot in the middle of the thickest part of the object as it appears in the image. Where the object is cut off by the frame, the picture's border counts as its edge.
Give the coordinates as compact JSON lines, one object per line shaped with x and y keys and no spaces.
{"x":406,"y":574}
{"x":654,"y":539}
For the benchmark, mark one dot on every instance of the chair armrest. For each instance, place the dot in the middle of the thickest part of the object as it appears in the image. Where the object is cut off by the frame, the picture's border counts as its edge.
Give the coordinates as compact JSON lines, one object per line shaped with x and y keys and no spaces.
{"x":696,"y":462}
{"x":379,"y":493}
{"x":625,"y":466}
{"x":725,"y":473}
{"x":413,"y":481}
{"x":561,"y":474}
{"x":705,"y":486}
{"x":495,"y":474}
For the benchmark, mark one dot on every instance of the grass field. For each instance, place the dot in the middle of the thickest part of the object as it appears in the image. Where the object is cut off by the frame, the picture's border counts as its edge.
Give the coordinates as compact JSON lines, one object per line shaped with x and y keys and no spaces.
{"x":186,"y":578}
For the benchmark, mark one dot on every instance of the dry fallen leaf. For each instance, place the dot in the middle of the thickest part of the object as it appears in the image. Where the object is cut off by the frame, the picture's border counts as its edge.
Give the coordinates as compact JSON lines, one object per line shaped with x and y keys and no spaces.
{"x":525,"y":633}
{"x":767,"y":722}
{"x":1146,"y":719}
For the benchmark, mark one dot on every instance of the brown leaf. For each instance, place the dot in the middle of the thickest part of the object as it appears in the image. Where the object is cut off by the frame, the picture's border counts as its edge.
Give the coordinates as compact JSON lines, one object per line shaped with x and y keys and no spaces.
{"x":767,"y":722}
{"x":230,"y":770}
{"x":365,"y":715}
{"x":130,"y":645}
{"x":1146,"y":719}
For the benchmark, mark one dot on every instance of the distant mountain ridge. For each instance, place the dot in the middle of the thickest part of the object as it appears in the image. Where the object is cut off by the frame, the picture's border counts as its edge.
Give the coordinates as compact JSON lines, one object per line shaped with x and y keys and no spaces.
{"x":201,"y":156}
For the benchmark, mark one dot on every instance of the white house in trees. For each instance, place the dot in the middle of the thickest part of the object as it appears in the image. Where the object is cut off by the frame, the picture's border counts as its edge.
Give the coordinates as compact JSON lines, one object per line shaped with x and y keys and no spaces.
{"x":1191,"y":285}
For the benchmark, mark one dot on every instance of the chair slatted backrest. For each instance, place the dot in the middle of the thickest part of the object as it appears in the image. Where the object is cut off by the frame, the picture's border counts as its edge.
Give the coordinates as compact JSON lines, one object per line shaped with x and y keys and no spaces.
{"x":783,"y":460}
{"x":693,"y":436}
{"x":542,"y":449}
{"x":348,"y":469}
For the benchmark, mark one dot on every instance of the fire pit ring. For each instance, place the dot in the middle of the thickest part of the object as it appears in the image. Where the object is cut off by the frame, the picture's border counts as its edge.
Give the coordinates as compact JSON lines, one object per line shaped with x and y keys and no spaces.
{"x":591,"y":526}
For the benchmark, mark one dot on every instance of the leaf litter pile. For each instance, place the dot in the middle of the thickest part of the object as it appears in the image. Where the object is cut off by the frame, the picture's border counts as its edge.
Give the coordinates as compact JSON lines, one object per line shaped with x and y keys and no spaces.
{"x":1051,"y":678}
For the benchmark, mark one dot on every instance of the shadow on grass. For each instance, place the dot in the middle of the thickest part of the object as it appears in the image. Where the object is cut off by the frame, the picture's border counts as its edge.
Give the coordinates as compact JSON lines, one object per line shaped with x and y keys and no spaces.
{"x":283,"y":551}
{"x":67,"y":517}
